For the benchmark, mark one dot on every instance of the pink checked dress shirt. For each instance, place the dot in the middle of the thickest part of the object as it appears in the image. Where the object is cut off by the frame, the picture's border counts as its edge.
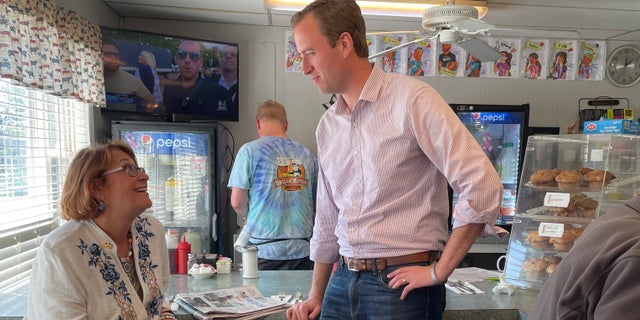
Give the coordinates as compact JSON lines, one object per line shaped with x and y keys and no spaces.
{"x":383,"y":171}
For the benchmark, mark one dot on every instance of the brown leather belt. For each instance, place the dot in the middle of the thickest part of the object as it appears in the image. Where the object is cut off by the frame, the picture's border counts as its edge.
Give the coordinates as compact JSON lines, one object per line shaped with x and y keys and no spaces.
{"x":378,"y":264}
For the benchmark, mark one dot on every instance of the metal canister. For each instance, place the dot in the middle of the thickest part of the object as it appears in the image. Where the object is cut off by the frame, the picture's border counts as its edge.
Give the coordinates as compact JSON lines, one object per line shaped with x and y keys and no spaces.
{"x":250,"y":261}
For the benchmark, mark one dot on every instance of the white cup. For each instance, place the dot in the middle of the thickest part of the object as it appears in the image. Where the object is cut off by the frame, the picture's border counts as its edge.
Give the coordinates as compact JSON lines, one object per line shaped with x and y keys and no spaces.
{"x":500,"y":264}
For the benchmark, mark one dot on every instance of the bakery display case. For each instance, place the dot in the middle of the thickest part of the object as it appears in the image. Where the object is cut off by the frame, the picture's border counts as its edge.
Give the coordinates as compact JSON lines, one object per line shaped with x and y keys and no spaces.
{"x":567,"y":182}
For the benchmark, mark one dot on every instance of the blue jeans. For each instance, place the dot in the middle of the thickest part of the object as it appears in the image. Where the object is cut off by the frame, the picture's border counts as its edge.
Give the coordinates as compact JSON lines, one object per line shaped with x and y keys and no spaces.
{"x":364,"y":295}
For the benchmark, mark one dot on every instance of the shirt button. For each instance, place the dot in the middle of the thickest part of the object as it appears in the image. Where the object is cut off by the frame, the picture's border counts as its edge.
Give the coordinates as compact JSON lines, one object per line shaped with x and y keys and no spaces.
{"x":358,"y":182}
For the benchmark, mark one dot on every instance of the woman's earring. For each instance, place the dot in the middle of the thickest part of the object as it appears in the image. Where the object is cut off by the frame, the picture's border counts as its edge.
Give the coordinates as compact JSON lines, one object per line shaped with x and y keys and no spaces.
{"x":101,"y":206}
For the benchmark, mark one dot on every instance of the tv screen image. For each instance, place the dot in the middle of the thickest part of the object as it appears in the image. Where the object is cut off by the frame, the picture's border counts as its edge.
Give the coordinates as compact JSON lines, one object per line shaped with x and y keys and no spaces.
{"x":182,"y":78}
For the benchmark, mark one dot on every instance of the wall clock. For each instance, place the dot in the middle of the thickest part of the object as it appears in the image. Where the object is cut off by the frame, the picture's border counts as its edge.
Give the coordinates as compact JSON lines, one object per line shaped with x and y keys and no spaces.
{"x":623,"y":66}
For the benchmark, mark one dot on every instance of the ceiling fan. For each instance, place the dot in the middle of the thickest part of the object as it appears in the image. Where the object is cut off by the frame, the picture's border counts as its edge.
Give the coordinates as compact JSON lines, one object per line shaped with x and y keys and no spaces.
{"x":451,"y":23}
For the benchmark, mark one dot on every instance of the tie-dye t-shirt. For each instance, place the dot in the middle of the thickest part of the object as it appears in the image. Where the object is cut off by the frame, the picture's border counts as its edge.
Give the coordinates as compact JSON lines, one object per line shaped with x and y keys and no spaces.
{"x":280,"y":175}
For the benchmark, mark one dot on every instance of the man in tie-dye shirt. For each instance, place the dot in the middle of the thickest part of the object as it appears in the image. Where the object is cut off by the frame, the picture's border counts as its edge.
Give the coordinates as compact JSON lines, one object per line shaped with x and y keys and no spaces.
{"x":273,"y":186}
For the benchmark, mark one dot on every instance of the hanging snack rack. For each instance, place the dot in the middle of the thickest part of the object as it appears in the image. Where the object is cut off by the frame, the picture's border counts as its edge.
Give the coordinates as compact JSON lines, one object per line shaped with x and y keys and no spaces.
{"x":590,"y":109}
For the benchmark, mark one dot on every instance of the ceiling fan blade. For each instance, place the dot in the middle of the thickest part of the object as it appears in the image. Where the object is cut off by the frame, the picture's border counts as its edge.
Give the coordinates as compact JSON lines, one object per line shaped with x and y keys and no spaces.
{"x":386,"y":33}
{"x":533,"y":33}
{"x":398,"y":47}
{"x":480,"y":49}
{"x":471,"y":26}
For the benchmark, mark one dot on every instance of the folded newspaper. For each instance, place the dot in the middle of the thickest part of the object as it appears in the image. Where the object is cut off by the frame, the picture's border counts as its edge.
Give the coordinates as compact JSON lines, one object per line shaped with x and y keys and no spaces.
{"x":242,"y":303}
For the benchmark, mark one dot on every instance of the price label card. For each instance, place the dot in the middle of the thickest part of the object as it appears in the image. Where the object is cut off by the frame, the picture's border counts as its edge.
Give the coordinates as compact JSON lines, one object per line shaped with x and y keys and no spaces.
{"x":557,"y":199}
{"x":597,"y":155}
{"x":547,"y":229}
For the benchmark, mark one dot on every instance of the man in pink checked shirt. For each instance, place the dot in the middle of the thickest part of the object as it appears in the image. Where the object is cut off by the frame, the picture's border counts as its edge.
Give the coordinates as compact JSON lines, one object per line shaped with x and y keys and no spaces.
{"x":387,"y":149}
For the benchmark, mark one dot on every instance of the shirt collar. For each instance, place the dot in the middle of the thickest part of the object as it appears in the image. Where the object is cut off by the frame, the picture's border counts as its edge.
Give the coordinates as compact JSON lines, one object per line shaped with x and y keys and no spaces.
{"x":370,"y":91}
{"x":373,"y":86}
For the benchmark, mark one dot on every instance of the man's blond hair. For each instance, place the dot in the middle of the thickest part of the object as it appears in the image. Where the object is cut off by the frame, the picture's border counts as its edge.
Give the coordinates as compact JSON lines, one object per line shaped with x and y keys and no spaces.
{"x":272,"y":111}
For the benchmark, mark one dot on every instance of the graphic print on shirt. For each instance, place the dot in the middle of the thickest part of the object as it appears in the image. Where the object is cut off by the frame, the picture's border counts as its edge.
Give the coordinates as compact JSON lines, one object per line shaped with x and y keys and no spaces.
{"x":291,"y":175}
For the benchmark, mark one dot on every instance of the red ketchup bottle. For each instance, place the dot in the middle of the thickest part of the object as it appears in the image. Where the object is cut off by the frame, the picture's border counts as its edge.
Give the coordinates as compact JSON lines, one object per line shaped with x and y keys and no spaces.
{"x":184,"y":248}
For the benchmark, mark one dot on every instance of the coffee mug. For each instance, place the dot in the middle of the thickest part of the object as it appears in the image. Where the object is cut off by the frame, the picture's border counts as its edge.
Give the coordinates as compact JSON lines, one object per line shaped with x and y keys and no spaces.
{"x":501,"y":263}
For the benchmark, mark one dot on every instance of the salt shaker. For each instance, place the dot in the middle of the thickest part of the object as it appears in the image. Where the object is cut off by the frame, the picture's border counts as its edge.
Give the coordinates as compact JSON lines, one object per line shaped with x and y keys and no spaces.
{"x":192,"y":260}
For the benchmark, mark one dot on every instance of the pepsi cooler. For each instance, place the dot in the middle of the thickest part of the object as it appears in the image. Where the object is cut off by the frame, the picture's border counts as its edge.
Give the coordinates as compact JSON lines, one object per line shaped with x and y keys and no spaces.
{"x":501,"y":131}
{"x":187,"y":178}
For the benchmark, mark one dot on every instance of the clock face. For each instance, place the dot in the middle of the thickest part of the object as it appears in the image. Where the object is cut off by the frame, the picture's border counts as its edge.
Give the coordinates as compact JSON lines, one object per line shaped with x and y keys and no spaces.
{"x":623,"y":66}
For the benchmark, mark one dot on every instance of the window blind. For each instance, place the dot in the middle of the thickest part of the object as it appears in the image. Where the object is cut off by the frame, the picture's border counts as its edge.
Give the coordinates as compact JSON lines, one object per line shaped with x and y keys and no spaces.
{"x":39,"y":135}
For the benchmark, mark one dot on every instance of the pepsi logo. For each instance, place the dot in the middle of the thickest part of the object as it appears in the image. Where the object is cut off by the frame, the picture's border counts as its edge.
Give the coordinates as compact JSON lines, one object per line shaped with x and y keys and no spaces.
{"x":475,"y":115}
{"x":146,"y":139}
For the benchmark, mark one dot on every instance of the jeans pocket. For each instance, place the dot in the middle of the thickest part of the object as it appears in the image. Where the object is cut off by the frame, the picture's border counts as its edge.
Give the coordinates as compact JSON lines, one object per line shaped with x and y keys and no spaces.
{"x":382,"y":275}
{"x":383,"y":279}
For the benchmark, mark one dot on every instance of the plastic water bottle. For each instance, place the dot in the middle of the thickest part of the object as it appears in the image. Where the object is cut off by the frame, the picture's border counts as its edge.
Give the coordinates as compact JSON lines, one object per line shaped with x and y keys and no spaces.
{"x":172,"y":245}
{"x":509,"y":162}
{"x":170,"y":189}
{"x":194,"y":239}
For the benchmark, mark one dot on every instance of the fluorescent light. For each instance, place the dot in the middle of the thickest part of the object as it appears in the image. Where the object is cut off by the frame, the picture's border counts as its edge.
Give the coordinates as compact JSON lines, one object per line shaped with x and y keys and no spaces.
{"x":408,"y":8}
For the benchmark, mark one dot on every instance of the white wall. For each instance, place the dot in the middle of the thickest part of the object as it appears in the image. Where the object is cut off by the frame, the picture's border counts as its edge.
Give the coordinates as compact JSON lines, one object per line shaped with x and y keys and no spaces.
{"x":262,"y":77}
{"x":94,"y":10}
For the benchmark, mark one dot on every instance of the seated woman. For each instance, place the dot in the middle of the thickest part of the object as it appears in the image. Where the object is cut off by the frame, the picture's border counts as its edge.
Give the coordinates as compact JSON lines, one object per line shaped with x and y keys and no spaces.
{"x":109,"y":261}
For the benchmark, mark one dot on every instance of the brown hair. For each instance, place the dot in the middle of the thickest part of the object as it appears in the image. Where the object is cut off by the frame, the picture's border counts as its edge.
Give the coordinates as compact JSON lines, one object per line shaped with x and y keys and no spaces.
{"x":335,"y":17}
{"x":271,"y":110}
{"x":87,"y":166}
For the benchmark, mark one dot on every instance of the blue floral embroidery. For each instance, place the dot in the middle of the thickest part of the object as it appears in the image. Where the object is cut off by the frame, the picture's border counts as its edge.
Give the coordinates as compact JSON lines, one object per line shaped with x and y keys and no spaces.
{"x":101,"y":259}
{"x":147,"y":266}
{"x":117,"y":288}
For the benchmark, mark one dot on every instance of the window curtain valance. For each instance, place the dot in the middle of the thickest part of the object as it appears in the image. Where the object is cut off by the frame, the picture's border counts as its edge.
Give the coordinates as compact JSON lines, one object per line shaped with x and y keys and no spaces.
{"x":44,"y":45}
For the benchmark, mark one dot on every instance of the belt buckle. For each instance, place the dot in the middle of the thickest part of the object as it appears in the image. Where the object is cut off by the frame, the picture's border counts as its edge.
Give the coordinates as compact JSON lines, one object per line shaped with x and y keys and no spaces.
{"x":355,"y":264}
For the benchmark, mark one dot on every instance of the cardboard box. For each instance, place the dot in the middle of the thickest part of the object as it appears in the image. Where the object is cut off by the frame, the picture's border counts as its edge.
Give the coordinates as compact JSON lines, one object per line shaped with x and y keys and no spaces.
{"x":619,"y":126}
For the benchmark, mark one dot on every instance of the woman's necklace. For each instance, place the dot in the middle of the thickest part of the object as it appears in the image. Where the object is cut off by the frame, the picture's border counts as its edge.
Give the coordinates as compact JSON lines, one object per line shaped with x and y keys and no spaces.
{"x":128,"y":264}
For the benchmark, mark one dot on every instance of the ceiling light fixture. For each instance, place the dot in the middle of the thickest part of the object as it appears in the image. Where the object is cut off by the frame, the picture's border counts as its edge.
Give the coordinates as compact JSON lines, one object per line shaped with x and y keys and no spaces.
{"x":401,"y":8}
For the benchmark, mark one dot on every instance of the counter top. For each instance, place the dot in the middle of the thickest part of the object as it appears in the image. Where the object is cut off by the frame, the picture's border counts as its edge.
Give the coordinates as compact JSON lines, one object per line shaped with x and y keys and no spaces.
{"x":459,"y":307}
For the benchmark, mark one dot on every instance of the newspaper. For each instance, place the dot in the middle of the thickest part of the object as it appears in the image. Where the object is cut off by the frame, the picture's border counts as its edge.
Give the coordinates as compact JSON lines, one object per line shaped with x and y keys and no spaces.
{"x":244,"y":302}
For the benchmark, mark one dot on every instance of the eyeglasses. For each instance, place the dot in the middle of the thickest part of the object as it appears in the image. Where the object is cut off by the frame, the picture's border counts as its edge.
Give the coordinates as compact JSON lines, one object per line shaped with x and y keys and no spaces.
{"x":130,"y":169}
{"x":194,"y":56}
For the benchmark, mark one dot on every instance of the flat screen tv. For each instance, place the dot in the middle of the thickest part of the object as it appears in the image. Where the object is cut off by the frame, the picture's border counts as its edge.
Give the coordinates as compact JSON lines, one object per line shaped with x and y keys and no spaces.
{"x":174,"y":78}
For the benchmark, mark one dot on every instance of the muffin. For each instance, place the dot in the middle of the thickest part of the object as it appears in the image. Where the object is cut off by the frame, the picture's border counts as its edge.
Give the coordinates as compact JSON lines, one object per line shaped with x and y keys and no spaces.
{"x":584,"y":170}
{"x":565,"y":242}
{"x":570,"y":210}
{"x":557,"y":170}
{"x":543,"y":177}
{"x":598,"y":178}
{"x":552,"y":259}
{"x":534,"y":266}
{"x":560,"y":212}
{"x":576,"y":232}
{"x":568,"y":180}
{"x":575,"y":196}
{"x":538,"y":241}
{"x":586,"y":207}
